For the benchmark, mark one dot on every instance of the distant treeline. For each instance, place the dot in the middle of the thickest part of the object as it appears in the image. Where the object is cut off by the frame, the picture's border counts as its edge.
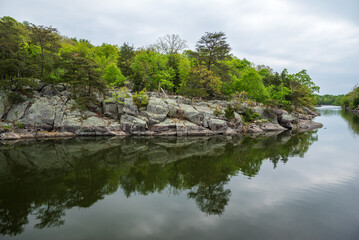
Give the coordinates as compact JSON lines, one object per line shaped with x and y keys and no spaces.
{"x":351,"y":100}
{"x":29,"y":51}
{"x":328,"y":99}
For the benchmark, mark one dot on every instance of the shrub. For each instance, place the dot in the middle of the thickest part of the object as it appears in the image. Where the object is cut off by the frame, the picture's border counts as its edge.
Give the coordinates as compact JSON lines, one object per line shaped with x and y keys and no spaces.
{"x":20,"y":125}
{"x":217,"y":111}
{"x":250,"y":116}
{"x":140,"y":99}
{"x":118,"y":96}
{"x":229,"y":112}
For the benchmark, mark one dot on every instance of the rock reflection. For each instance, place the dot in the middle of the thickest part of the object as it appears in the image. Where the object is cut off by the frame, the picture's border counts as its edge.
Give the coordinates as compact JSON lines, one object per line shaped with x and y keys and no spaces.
{"x":45,"y":178}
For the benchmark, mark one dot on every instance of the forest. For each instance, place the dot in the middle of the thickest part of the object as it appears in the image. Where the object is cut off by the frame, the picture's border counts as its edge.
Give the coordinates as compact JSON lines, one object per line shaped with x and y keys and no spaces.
{"x":29,"y":52}
{"x":351,"y":100}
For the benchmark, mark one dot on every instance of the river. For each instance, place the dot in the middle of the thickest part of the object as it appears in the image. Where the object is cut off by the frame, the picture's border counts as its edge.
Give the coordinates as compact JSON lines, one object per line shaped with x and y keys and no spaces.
{"x":286,"y":186}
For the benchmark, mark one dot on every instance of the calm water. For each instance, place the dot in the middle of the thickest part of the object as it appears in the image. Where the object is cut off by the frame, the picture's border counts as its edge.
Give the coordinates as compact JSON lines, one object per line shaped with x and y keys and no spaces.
{"x":303,"y":186}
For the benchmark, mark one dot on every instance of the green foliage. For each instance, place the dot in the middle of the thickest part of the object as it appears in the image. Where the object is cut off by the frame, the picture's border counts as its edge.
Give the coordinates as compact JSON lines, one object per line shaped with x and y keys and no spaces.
{"x":200,"y":83}
{"x":29,"y":51}
{"x":125,"y":59}
{"x":250,"y":116}
{"x":229,"y":112}
{"x":151,"y":68}
{"x":328,"y":99}
{"x":119,"y":95}
{"x":140,"y":98}
{"x":113,"y":76}
{"x":20,"y":125}
{"x":278,"y":96}
{"x":251,"y":82}
{"x":212,"y":48}
{"x":351,"y":100}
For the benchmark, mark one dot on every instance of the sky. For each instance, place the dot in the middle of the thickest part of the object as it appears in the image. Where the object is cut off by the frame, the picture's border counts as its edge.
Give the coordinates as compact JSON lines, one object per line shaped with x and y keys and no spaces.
{"x":321,"y":36}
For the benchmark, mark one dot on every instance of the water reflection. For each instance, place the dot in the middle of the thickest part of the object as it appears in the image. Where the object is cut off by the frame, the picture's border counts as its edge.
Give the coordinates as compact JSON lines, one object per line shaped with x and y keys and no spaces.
{"x":352,"y":120}
{"x":45,"y":178}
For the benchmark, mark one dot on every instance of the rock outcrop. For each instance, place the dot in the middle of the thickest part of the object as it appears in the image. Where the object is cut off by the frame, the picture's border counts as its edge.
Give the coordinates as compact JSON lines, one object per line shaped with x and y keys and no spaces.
{"x":52,"y":113}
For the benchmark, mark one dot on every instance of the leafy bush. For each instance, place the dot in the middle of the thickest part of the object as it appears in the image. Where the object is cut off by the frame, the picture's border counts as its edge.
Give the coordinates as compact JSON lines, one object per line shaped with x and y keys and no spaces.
{"x":229,"y":112}
{"x":118,"y":96}
{"x":250,"y":116}
{"x":15,"y":97}
{"x":140,"y":99}
{"x":20,"y":125}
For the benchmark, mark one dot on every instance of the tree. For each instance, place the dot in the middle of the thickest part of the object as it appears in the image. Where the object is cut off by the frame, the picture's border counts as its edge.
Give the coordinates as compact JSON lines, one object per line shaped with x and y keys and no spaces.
{"x":84,"y":76}
{"x":125,"y":59}
{"x":48,"y":40}
{"x":201,"y":83}
{"x":251,"y":82}
{"x":113,"y":76}
{"x":212,"y":47}
{"x":151,"y":69}
{"x":170,"y":44}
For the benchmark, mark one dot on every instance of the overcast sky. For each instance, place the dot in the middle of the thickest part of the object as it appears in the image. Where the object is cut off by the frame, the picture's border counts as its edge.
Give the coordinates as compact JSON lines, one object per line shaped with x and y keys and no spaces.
{"x":321,"y":36}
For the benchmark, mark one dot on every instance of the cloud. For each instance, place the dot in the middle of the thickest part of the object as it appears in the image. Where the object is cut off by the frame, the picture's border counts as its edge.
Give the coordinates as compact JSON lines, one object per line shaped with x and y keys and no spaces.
{"x":319,"y":36}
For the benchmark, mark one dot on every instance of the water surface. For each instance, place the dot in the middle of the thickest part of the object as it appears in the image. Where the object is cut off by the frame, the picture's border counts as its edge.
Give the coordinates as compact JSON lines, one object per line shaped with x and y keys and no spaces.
{"x":286,"y":186}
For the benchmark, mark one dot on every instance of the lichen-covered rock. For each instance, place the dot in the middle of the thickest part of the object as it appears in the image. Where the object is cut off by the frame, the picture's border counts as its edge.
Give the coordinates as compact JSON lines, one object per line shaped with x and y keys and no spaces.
{"x":49,"y":91}
{"x":192,"y":114}
{"x":269,"y":126}
{"x":128,"y":107}
{"x":157,"y":106}
{"x":132,"y":124}
{"x":305,"y":125}
{"x":17,"y":111}
{"x":253,"y":128}
{"x":287,"y":121}
{"x":169,"y":125}
{"x":266,"y":113}
{"x":157,"y":110}
{"x":4,"y":104}
{"x":42,"y":113}
{"x":110,"y":109}
{"x":217,"y":125}
{"x":186,"y":128}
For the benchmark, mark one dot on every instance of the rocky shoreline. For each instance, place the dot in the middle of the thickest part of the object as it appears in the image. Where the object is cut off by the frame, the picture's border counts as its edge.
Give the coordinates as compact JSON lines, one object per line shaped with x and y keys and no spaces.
{"x":50,"y":112}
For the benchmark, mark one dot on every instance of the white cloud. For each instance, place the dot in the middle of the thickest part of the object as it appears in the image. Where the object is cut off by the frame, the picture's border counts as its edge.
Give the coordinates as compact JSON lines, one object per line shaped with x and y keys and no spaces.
{"x":278,"y":33}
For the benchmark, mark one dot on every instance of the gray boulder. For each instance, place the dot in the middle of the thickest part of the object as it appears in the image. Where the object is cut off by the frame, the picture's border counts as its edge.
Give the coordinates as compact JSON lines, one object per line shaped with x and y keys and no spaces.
{"x":217,"y":125}
{"x":287,"y":121}
{"x":42,"y":113}
{"x":4,"y":104}
{"x":17,"y":111}
{"x":128,"y":107}
{"x":268,"y":127}
{"x":157,"y":110}
{"x":110,"y":109}
{"x":191,"y":114}
{"x":132,"y":124}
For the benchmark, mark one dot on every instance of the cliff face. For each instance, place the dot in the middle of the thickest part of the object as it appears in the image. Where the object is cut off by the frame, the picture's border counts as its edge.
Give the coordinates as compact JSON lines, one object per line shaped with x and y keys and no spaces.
{"x":50,"y":112}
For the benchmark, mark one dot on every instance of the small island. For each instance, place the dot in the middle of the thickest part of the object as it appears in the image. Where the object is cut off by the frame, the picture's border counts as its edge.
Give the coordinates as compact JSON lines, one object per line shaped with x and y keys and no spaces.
{"x":55,"y":86}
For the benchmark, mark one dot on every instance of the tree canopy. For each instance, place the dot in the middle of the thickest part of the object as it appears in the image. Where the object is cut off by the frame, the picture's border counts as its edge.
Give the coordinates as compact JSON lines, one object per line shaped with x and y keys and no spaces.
{"x":29,"y":51}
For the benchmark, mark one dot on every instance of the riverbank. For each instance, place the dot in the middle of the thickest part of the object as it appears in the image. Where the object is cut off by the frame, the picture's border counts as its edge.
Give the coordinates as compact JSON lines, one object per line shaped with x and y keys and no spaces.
{"x":50,"y":112}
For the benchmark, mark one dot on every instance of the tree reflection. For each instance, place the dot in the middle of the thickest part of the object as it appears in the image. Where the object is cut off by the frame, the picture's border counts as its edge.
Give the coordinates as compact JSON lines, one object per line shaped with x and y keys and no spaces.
{"x":352,"y":119}
{"x":211,"y":199}
{"x":46,"y":178}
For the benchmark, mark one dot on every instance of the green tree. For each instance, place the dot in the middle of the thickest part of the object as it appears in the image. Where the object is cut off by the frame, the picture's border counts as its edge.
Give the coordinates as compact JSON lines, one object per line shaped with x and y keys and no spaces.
{"x":113,"y":76}
{"x":212,"y":48}
{"x":201,"y":83}
{"x":125,"y":59}
{"x":251,"y":82}
{"x":47,"y":39}
{"x":150,"y":69}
